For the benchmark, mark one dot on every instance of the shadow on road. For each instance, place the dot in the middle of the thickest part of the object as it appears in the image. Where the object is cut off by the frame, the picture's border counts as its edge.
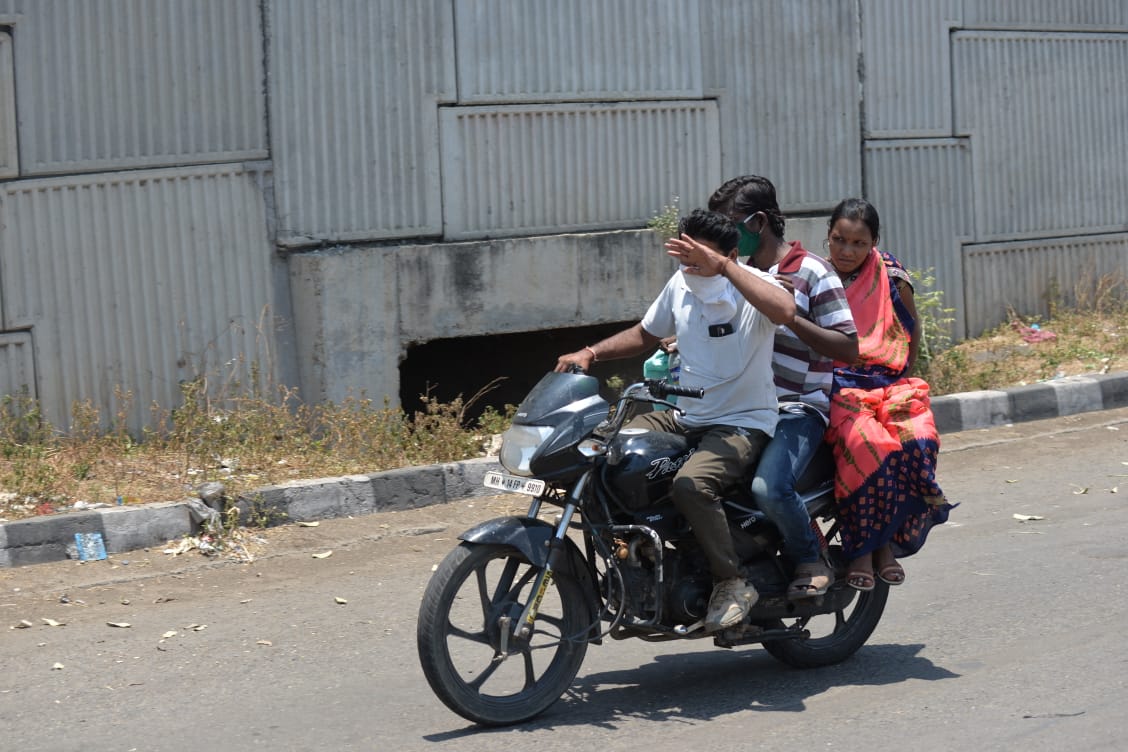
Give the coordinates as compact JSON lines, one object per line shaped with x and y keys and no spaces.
{"x":703,"y":686}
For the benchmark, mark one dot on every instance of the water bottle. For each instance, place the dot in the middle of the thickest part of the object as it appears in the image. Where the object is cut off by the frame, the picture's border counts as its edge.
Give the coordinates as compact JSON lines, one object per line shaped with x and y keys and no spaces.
{"x":675,"y":372}
{"x":657,"y":367}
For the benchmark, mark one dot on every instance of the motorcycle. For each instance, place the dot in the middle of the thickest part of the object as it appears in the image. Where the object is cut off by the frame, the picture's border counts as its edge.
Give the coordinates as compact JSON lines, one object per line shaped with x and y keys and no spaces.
{"x":507,"y":617}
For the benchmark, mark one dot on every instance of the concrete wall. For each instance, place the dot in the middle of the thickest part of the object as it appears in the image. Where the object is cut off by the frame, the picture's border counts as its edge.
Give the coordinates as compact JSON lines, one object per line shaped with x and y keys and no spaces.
{"x":357,"y":310}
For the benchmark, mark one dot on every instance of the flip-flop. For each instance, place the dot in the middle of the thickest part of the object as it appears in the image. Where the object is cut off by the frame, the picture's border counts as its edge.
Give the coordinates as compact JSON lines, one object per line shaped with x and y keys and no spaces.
{"x":804,"y":584}
{"x":891,"y":574}
{"x":860,"y":581}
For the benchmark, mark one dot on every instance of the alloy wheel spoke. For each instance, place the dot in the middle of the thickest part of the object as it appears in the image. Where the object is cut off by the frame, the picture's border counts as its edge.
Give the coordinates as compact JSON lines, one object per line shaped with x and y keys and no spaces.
{"x":526,"y":578}
{"x":483,"y":590}
{"x":530,"y":674}
{"x":479,"y":637}
{"x":556,"y":621}
{"x":493,"y":665}
{"x":506,"y":579}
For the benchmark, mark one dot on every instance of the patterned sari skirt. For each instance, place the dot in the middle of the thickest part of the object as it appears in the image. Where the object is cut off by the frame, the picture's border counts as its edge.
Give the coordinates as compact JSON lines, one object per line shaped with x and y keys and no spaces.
{"x":885,"y":445}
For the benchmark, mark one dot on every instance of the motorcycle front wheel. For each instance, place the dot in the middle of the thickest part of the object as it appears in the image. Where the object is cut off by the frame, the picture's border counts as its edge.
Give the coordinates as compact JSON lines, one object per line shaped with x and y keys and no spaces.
{"x":467,"y":648}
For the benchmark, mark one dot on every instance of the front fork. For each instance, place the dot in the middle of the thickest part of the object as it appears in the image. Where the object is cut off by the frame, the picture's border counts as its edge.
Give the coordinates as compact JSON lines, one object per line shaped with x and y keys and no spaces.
{"x":523,"y":629}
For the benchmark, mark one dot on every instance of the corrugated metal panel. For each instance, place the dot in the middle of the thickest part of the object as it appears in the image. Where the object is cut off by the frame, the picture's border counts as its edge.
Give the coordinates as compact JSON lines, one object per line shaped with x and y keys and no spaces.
{"x":1046,"y":114}
{"x":786,"y":77}
{"x":922,"y":191}
{"x":138,"y":279}
{"x":9,"y":154}
{"x":1026,"y":276}
{"x":110,"y":84}
{"x":530,"y":169}
{"x":576,"y":50}
{"x":354,"y":93}
{"x":1103,"y":15}
{"x":17,"y":365}
{"x":907,"y":84}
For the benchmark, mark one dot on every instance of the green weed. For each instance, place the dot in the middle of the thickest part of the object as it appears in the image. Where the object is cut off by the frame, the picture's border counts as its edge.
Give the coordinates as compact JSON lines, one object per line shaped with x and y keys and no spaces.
{"x":666,"y":222}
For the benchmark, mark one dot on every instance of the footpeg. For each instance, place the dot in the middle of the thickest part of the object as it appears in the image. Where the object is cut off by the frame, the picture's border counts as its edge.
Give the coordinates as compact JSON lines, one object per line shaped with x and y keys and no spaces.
{"x":686,"y":629}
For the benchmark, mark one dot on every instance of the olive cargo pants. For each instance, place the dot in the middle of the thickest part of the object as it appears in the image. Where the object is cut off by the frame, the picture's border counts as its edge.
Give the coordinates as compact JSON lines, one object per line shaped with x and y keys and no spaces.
{"x":723,"y":457}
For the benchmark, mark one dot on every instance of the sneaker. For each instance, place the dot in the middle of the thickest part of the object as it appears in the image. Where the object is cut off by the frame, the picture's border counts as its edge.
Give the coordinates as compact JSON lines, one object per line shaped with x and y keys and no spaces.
{"x":730,"y":603}
{"x":811,"y":579}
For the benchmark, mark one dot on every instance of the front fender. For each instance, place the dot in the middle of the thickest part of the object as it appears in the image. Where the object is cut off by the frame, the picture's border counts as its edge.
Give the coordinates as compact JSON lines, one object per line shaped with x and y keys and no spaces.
{"x":529,"y":536}
{"x":533,"y":538}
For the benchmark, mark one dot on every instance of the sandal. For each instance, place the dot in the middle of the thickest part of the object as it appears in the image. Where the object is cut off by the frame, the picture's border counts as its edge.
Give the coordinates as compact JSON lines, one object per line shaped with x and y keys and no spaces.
{"x":811,"y":579}
{"x":861,"y":580}
{"x":891,"y":574}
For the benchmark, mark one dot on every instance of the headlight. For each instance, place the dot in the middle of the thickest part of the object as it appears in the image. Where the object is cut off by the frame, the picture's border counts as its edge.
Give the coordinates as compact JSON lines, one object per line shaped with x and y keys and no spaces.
{"x":518,"y":445}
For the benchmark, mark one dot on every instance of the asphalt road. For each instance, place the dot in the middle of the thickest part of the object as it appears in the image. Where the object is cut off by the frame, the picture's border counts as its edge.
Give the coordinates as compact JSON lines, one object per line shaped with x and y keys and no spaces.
{"x":1007,"y":636}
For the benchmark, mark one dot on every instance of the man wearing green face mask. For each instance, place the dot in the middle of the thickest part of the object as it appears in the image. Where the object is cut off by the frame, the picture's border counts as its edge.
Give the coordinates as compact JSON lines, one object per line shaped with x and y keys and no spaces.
{"x":802,"y":364}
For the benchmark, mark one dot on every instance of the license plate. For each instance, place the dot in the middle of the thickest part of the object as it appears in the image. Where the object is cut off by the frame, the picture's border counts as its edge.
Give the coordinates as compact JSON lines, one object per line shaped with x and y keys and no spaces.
{"x":513,"y":484}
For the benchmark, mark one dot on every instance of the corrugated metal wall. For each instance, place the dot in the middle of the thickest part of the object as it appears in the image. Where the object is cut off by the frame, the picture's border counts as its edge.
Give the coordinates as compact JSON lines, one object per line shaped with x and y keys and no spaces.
{"x":576,"y":50}
{"x":355,"y":87}
{"x":17,"y":366}
{"x":107,"y":84}
{"x":922,"y":191}
{"x":9,"y":149}
{"x":1056,"y":14}
{"x":1046,"y":115}
{"x":1039,"y":111}
{"x":526,"y":170}
{"x":906,"y":79}
{"x":1028,"y":276}
{"x":139,"y":280}
{"x":785,"y":77}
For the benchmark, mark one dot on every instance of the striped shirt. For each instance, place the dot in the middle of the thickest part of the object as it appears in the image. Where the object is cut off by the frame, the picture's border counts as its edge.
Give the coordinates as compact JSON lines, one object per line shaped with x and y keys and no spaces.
{"x":801,"y":374}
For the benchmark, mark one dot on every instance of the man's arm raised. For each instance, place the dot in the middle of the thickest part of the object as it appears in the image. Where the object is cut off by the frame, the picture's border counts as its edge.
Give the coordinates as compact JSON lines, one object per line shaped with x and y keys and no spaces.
{"x":769,"y":297}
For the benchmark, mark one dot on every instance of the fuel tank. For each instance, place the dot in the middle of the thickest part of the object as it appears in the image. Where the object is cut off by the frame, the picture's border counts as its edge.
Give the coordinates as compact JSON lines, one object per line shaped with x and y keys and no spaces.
{"x":640,"y":465}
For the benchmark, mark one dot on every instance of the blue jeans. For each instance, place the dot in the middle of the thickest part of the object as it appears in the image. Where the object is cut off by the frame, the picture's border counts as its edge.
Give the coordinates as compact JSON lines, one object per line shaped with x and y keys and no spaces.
{"x":783,"y":460}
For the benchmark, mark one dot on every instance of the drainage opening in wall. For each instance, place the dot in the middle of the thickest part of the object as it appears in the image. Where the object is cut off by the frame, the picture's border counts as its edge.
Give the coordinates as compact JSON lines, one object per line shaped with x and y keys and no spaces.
{"x":447,"y":368}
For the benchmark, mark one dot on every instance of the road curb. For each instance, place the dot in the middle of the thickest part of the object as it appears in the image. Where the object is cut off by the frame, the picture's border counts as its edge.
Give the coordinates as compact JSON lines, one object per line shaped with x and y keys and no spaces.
{"x":1050,"y":399}
{"x":52,"y":537}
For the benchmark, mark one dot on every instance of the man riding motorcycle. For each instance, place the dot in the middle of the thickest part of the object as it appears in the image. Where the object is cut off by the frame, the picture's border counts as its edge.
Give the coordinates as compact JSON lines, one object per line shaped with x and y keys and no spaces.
{"x":724,"y":315}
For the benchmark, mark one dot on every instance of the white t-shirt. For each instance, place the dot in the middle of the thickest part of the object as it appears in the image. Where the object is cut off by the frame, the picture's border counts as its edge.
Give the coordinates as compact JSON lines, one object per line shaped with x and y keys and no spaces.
{"x":735,"y":369}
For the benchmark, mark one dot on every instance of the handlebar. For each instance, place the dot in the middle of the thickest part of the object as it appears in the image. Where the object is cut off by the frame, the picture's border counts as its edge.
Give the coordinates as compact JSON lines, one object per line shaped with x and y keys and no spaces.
{"x":664,"y":389}
{"x":648,"y":390}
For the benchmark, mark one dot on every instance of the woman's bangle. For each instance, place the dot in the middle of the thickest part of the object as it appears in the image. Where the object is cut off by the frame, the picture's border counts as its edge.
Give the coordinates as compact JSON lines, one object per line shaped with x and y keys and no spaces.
{"x":724,"y":265}
{"x":594,"y":354}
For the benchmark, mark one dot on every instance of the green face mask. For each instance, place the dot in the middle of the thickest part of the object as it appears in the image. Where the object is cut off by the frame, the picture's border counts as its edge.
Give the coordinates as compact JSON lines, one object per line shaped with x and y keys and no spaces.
{"x":749,"y":241}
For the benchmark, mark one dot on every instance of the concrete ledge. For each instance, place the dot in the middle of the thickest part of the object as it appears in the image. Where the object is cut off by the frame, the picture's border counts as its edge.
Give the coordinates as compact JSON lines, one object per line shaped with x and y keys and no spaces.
{"x":48,"y":538}
{"x":961,"y":412}
{"x":1034,"y":402}
{"x":1077,"y":394}
{"x":131,"y":528}
{"x":354,"y":495}
{"x":947,"y":414}
{"x":1114,"y":389}
{"x":50,"y":529}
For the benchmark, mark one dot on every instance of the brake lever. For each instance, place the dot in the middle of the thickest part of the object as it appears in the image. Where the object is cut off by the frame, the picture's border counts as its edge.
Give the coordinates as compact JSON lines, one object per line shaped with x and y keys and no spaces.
{"x":670,"y":405}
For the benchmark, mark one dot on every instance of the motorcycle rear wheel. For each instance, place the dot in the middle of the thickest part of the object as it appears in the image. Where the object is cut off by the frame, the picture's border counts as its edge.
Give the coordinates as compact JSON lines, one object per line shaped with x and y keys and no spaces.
{"x":478,"y":593}
{"x":843,"y":632}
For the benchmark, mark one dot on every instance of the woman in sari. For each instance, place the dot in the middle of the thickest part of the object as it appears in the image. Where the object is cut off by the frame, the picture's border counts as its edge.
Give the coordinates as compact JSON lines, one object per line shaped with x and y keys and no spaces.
{"x":881,"y":426}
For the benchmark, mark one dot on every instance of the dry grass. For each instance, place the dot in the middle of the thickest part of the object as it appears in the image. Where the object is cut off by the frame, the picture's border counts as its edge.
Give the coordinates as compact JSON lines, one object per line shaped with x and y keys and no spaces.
{"x":1083,"y":343}
{"x":1091,"y":337}
{"x":245,"y":443}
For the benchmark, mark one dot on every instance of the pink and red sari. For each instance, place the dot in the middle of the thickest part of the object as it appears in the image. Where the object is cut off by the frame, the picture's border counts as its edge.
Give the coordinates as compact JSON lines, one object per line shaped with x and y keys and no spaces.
{"x":881,"y":426}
